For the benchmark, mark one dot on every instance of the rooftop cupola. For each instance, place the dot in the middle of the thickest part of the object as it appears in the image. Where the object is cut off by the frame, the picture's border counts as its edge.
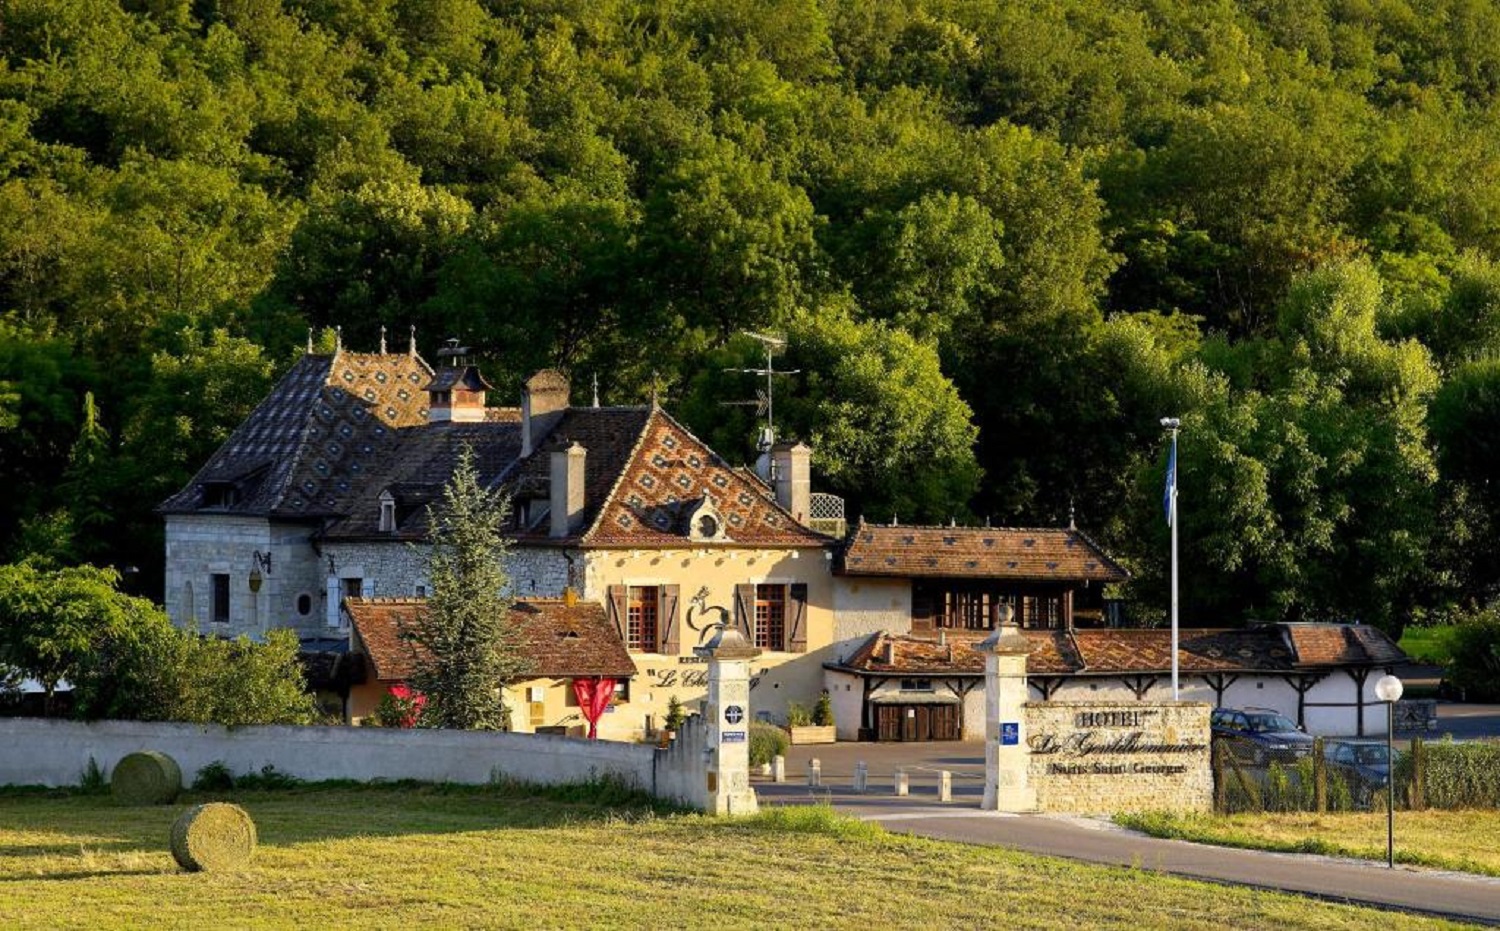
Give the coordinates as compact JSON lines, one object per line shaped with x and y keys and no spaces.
{"x":456,"y":392}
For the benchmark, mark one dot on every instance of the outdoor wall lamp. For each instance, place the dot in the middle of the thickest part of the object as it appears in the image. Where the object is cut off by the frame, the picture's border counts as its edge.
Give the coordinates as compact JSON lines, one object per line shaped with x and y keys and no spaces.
{"x":259,"y":562}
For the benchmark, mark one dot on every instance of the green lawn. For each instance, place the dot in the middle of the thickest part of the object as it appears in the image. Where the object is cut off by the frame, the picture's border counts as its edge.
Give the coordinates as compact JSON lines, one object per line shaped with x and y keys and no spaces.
{"x":1429,"y":644}
{"x":1456,"y":840}
{"x":445,"y":857}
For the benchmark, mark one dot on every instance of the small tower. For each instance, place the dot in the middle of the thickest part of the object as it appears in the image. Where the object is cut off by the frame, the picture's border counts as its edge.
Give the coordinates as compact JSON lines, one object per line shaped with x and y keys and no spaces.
{"x":456,"y":393}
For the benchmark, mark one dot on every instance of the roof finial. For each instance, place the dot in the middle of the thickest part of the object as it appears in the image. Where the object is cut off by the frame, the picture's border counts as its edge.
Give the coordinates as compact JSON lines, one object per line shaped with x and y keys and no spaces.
{"x":412,"y":349}
{"x":596,"y":389}
{"x":309,"y":340}
{"x":1072,"y":523}
{"x":382,"y":339}
{"x":894,"y":522}
{"x":338,"y":339}
{"x":654,"y":376}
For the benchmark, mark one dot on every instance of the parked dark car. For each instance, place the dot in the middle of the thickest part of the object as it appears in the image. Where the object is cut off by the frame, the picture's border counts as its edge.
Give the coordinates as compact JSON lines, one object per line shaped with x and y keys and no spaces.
{"x":1364,"y":764}
{"x":1260,"y":734}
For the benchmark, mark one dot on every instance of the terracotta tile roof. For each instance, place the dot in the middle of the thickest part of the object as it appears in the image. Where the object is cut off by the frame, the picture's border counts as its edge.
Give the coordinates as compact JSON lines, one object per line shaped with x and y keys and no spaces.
{"x":306,"y":448}
{"x":977,"y":552}
{"x":563,"y":641}
{"x":668,"y":472}
{"x":1342,"y":645}
{"x":1264,"y":649}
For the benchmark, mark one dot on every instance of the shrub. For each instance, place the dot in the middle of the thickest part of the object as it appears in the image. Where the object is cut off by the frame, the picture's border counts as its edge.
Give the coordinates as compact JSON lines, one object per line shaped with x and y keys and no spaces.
{"x":823,"y":711}
{"x":215,"y":836}
{"x":1459,"y":775}
{"x":146,"y":778}
{"x":400,"y":706}
{"x":215,"y":777}
{"x":269,"y":778}
{"x":92,"y":782}
{"x":1476,"y":658}
{"x":767,"y":741}
{"x":797,"y":715}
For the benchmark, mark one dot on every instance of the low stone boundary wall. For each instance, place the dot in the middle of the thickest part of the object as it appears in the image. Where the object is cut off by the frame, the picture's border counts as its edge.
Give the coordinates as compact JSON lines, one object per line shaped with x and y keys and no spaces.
{"x":56,"y":753}
{"x":1108,"y":757}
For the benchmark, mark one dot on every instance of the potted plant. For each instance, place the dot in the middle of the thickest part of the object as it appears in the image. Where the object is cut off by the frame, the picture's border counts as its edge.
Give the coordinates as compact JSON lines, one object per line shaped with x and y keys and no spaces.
{"x":811,"y":727}
{"x":673,"y":722}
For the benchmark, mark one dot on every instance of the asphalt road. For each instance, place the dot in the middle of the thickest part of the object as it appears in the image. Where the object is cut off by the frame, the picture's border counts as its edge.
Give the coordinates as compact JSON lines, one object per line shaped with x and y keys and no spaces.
{"x":1454,"y":895}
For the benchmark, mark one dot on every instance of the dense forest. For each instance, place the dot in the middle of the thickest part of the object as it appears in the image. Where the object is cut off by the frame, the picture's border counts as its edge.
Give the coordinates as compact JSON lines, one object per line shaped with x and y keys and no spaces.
{"x":1002,"y":240}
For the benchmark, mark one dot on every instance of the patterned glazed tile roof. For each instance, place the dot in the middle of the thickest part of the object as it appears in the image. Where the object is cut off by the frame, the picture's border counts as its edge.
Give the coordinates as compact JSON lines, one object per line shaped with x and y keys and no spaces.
{"x":668,"y":472}
{"x":563,"y":641}
{"x":306,"y":449}
{"x":339,"y":432}
{"x":977,"y":552}
{"x":1264,"y":649}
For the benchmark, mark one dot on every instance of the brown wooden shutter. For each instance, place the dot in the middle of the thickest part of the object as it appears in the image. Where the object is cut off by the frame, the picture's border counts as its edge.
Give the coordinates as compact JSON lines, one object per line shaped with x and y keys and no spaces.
{"x":618,"y":612}
{"x":744,"y":610}
{"x":797,"y":621}
{"x":666,"y":620}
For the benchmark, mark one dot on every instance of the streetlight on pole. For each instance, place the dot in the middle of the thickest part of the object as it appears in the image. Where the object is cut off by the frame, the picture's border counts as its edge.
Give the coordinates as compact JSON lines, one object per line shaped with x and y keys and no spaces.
{"x":1388,"y":690}
{"x":1170,"y":503}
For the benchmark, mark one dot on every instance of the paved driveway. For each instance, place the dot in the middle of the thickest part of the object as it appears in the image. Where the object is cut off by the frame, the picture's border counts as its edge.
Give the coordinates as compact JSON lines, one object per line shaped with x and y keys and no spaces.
{"x":1454,"y":895}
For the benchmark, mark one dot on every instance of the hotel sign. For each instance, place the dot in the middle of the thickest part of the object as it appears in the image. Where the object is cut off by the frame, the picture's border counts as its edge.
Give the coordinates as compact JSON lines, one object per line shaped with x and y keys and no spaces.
{"x":1098,"y":735}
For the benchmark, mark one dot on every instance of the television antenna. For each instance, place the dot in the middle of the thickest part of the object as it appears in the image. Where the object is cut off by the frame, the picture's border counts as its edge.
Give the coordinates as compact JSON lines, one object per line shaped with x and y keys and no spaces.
{"x":764,"y":403}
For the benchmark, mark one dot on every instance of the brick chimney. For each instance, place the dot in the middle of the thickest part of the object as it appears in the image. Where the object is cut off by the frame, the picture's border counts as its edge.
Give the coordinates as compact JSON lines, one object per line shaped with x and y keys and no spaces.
{"x":792,"y":469}
{"x":544,"y":400}
{"x":567,"y":488}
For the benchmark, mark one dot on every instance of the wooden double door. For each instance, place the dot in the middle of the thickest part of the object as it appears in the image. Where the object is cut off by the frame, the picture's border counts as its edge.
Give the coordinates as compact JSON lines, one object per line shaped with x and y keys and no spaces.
{"x":909,"y":723}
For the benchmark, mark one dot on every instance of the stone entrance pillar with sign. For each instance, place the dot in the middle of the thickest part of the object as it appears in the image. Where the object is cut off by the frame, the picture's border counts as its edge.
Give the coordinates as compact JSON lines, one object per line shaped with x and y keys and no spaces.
{"x":728,"y":717}
{"x":1007,"y":758}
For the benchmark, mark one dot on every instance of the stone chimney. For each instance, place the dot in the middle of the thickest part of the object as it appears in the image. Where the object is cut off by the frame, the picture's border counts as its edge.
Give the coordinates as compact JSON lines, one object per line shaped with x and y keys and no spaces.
{"x":544,"y":400}
{"x":567,"y":488}
{"x":792,"y":469}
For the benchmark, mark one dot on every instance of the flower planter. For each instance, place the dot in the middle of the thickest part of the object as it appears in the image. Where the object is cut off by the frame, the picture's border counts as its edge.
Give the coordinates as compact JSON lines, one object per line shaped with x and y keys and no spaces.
{"x":812,"y":734}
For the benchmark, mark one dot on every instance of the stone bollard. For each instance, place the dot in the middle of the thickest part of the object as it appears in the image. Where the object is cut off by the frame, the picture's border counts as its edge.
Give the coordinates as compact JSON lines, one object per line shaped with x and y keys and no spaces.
{"x":778,"y":769}
{"x":945,"y":786}
{"x":861,"y":777}
{"x":903,"y":783}
{"x":814,"y":773}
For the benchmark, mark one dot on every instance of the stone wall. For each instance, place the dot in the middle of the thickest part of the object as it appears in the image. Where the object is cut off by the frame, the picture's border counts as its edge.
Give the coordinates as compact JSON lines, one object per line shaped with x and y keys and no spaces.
{"x":58,"y":752}
{"x":399,"y":570}
{"x":1108,"y":757}
{"x":201,"y":546}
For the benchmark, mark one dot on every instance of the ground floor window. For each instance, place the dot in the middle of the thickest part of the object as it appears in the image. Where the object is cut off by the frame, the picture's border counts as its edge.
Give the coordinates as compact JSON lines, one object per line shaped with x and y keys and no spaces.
{"x":220,"y":613}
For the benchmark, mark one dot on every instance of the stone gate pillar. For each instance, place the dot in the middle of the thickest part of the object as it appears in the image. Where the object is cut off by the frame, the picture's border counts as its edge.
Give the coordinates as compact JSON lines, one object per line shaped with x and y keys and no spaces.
{"x":1006,"y":756}
{"x":728,"y":717}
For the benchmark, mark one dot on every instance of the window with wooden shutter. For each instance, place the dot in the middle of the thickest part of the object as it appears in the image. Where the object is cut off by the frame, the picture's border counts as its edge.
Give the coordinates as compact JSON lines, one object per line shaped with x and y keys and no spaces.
{"x":797,"y":617}
{"x":770,"y":617}
{"x":641,"y":616}
{"x":670,"y":625}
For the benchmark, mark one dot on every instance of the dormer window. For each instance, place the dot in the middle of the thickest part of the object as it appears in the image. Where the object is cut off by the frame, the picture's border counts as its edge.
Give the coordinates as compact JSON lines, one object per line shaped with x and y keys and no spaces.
{"x":387,"y":513}
{"x":705,"y":524}
{"x":220,"y":495}
{"x":532,"y":512}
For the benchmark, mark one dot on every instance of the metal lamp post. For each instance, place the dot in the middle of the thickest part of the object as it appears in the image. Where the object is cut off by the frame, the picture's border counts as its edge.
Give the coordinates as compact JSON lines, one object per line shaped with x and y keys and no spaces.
{"x":1174,"y":424}
{"x":1388,"y":690}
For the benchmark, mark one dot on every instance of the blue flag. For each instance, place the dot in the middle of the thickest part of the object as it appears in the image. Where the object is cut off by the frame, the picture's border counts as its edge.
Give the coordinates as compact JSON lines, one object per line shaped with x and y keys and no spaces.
{"x":1169,"y":498}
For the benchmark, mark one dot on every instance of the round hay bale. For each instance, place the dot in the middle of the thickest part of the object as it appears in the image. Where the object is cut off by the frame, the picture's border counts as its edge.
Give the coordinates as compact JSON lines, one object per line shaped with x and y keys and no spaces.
{"x":215,"y":836}
{"x":145,"y":778}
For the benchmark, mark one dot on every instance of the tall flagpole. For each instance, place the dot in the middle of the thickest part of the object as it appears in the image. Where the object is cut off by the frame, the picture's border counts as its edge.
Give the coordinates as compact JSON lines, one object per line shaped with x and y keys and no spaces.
{"x":1173,"y":424}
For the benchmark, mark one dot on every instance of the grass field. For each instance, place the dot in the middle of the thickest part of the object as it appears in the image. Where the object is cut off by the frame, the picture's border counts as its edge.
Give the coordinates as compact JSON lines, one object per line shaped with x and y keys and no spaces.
{"x":1455,"y":840}
{"x":447,"y":857}
{"x":1429,"y":644}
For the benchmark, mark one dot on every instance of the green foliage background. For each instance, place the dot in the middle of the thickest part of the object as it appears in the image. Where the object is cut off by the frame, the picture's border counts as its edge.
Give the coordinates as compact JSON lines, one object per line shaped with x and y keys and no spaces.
{"x":1004,"y":240}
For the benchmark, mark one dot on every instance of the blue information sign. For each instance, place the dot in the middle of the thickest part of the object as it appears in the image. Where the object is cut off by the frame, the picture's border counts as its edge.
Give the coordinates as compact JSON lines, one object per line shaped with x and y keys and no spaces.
{"x":1010,"y":733}
{"x":733,"y":737}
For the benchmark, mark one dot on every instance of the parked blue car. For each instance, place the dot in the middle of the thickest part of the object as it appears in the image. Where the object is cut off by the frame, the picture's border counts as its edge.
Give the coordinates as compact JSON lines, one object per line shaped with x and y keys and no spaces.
{"x":1261,"y":735}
